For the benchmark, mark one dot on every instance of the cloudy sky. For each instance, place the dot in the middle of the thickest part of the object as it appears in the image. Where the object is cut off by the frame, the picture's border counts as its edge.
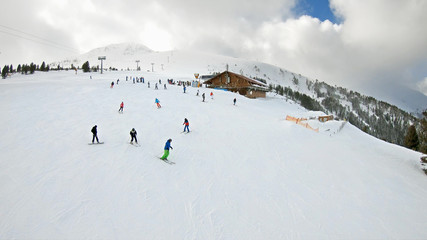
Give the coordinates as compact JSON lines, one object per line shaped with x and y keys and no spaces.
{"x":345,"y":42}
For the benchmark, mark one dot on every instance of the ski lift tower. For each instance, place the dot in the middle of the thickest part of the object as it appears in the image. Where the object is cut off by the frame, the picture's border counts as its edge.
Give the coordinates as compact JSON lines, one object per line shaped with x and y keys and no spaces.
{"x":102,"y":58}
{"x":137,"y":67}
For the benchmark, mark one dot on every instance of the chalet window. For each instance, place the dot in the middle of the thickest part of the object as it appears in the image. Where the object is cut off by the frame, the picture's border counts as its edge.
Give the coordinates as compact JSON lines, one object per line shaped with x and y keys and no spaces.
{"x":228,"y":79}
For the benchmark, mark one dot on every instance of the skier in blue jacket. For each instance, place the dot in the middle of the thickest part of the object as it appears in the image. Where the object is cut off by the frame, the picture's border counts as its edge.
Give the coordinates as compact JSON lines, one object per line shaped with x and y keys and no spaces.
{"x":167,"y":146}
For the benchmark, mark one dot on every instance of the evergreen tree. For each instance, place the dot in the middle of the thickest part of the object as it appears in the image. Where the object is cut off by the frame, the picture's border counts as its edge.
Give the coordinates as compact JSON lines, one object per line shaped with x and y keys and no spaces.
{"x":423,"y":133}
{"x":33,"y":68}
{"x":43,"y":67}
{"x":411,"y":138}
{"x":5,"y":71}
{"x":86,"y":67}
{"x":19,"y":68}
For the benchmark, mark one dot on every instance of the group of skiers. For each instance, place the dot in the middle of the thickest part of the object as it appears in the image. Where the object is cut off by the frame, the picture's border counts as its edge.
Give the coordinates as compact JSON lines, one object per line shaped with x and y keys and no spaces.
{"x":133,"y":132}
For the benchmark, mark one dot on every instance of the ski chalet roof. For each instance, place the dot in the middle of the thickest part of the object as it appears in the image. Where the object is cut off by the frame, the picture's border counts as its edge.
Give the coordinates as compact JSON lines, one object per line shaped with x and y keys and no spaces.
{"x":249,"y":80}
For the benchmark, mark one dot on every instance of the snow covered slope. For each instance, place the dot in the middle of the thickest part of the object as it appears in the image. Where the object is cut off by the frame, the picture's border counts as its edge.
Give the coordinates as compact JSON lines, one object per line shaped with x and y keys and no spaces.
{"x":243,"y":172}
{"x":124,"y":56}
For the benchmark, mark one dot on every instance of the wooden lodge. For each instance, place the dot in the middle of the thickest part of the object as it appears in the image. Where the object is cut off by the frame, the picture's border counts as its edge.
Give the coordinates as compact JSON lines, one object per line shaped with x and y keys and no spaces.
{"x":245,"y":86}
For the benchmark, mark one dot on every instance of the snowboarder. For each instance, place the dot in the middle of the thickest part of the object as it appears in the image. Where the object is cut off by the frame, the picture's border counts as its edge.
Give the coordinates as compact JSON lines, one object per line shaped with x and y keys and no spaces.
{"x":167,"y":146}
{"x":203,"y":96}
{"x":133,"y":136}
{"x":158,"y":103}
{"x":121,"y":107}
{"x":95,"y":132}
{"x":187,"y":124}
{"x":234,"y":101}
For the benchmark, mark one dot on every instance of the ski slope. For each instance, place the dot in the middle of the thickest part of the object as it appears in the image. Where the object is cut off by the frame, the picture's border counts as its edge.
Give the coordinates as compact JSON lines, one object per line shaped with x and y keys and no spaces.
{"x":243,"y":172}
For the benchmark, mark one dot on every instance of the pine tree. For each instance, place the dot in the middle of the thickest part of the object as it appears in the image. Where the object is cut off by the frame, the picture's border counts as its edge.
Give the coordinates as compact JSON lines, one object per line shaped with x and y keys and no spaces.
{"x":5,"y":71}
{"x":423,"y":133}
{"x":411,"y":138}
{"x":86,"y":67}
{"x":43,"y":67}
{"x":33,"y":68}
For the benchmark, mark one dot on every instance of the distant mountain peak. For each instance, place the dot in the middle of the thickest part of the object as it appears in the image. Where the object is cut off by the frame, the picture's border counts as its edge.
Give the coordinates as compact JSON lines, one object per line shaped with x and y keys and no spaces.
{"x":121,"y":49}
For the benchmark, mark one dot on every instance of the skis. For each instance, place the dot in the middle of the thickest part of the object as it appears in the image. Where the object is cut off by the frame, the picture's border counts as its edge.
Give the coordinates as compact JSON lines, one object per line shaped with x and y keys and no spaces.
{"x":96,"y":143}
{"x":167,"y":161}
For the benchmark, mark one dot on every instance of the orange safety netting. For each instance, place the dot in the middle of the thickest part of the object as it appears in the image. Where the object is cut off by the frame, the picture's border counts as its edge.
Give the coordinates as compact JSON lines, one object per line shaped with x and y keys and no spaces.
{"x":299,"y":122}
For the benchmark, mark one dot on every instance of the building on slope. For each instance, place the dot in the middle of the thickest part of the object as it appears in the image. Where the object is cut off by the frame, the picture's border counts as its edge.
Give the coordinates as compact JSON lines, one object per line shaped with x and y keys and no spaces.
{"x":245,"y":86}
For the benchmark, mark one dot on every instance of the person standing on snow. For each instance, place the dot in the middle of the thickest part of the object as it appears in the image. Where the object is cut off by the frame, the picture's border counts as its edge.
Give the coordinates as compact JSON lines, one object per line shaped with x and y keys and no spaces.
{"x":94,"y":132}
{"x":158,"y":103}
{"x":155,"y":86}
{"x":165,"y":86}
{"x":203,"y":96}
{"x":133,"y":136}
{"x":187,"y":124}
{"x":112,"y":85}
{"x":167,"y":147}
{"x":212,"y":95}
{"x":234,"y":101}
{"x":148,"y":84}
{"x":197,"y":92}
{"x":121,"y":107}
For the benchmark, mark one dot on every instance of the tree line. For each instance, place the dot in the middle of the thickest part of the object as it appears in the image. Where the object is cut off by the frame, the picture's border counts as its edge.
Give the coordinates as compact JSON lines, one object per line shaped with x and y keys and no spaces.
{"x":377,"y":118}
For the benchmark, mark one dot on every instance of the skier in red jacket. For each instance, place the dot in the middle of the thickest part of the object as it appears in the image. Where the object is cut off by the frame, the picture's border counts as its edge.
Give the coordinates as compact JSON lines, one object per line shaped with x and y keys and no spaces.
{"x":121,"y":108}
{"x":187,"y":124}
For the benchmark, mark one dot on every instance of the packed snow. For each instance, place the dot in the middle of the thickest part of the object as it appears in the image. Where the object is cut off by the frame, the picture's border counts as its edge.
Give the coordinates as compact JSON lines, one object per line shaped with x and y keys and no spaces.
{"x":243,"y":171}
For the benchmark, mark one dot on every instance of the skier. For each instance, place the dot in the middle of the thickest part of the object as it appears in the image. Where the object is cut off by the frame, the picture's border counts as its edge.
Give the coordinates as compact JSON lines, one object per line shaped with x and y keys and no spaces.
{"x":117,"y":81}
{"x":112,"y":84}
{"x":212,"y":95}
{"x":95,"y":132}
{"x":158,"y":103}
{"x":234,"y":101}
{"x":167,"y":146}
{"x":187,"y":124}
{"x":156,"y":87}
{"x":148,"y":84}
{"x":133,"y":136}
{"x":160,"y":81}
{"x":121,"y":107}
{"x":203,"y":96}
{"x":184,"y":88}
{"x":197,"y":92}
{"x":165,"y":86}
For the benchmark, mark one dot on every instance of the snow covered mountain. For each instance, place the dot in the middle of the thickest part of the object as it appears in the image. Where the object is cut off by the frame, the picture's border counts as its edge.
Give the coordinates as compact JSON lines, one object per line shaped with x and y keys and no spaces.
{"x":373,"y":115}
{"x":243,"y":172}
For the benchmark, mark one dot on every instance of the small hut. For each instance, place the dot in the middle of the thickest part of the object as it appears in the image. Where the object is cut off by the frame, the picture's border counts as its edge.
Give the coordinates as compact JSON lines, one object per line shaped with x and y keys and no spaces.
{"x":326,"y":118}
{"x":237,"y":83}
